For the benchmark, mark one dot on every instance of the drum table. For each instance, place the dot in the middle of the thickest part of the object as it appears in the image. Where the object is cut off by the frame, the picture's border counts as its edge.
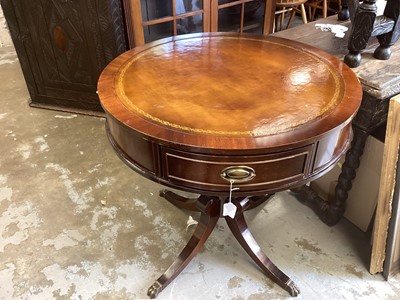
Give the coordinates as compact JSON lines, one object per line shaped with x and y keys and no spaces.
{"x":233,"y":118}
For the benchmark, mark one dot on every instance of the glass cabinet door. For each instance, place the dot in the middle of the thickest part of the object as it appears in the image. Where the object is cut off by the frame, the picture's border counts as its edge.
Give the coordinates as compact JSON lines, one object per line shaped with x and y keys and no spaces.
{"x":252,"y":16}
{"x":156,"y":19}
{"x":149,"y":20}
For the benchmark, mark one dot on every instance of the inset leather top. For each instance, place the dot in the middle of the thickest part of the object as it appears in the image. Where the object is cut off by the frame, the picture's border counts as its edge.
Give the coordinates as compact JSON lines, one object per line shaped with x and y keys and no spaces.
{"x":202,"y":88}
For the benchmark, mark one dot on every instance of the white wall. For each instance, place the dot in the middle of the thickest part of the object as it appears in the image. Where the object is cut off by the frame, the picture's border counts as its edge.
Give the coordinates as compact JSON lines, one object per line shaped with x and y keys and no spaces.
{"x":5,"y":39}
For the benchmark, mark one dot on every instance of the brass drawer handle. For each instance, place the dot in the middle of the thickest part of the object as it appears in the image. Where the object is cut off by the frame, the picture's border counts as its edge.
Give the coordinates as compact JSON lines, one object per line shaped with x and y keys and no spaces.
{"x":238,"y":174}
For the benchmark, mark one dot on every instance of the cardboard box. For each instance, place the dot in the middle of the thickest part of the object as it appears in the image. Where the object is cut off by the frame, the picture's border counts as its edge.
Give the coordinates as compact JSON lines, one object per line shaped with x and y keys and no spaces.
{"x":363,"y":196}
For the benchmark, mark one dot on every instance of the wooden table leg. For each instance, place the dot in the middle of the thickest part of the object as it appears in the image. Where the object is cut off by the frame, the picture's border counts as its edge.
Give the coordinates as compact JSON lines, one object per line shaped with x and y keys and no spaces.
{"x":344,"y":13}
{"x":361,"y":30}
{"x":242,"y":233}
{"x":179,"y":201}
{"x":257,"y":201}
{"x":210,"y":208}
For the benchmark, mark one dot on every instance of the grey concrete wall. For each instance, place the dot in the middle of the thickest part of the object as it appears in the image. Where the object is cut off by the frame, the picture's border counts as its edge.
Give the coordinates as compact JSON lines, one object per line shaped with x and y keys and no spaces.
{"x":5,"y":39}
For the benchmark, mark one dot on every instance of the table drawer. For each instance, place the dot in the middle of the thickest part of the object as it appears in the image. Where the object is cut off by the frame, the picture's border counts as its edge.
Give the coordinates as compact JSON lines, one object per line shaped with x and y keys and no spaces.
{"x":203,"y":172}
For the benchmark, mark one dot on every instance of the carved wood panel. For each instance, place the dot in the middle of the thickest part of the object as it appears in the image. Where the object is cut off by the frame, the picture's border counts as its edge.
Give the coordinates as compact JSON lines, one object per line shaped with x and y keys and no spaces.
{"x":63,"y":46}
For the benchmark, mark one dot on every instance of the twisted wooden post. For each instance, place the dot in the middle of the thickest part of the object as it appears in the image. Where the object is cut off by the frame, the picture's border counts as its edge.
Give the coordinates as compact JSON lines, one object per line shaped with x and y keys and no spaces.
{"x":331,"y":212}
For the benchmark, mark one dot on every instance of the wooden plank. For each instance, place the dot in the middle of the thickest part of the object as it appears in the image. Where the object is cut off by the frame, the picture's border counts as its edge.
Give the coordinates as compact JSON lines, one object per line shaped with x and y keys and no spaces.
{"x":269,"y":16}
{"x":128,"y":22}
{"x":392,"y":260}
{"x":136,"y":17}
{"x":206,"y":15}
{"x":387,"y":184}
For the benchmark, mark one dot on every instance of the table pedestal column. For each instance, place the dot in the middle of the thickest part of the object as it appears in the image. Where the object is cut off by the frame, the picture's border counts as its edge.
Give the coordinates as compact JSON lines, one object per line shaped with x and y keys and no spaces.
{"x":210,"y":208}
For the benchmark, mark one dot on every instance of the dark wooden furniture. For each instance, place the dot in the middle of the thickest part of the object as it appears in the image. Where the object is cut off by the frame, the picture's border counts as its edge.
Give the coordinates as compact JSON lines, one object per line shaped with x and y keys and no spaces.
{"x":63,"y":46}
{"x":367,"y":24}
{"x":380,"y":81}
{"x":203,"y":112}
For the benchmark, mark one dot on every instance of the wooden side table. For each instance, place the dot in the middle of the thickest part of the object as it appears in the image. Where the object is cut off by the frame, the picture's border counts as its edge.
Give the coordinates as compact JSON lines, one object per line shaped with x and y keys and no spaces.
{"x":380,"y":81}
{"x":234,"y":118}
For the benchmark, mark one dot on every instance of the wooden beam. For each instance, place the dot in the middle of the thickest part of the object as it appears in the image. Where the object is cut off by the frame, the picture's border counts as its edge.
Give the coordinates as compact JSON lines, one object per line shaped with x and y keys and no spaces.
{"x":387,"y":184}
{"x":137,"y":22}
{"x":269,"y":16}
{"x":128,"y":22}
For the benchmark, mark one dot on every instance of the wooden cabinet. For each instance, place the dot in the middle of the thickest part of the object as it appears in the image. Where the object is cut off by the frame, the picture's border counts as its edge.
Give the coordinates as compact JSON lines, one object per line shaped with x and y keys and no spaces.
{"x":63,"y":46}
{"x":151,"y":20}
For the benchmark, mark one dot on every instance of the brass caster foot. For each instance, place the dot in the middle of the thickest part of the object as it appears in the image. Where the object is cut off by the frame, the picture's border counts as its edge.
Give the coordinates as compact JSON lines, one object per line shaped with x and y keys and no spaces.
{"x":154,"y":290}
{"x":292,"y":289}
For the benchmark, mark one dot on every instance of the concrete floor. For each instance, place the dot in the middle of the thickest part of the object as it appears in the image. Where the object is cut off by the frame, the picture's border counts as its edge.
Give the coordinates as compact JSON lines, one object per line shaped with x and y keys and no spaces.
{"x":77,"y":223}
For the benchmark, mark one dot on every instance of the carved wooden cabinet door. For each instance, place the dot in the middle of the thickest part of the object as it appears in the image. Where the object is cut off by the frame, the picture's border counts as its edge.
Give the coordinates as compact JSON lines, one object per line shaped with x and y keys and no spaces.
{"x":63,"y":46}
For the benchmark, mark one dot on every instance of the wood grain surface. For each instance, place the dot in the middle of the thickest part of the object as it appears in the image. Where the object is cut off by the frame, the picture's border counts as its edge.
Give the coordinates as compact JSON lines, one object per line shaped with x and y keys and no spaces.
{"x":386,"y":186}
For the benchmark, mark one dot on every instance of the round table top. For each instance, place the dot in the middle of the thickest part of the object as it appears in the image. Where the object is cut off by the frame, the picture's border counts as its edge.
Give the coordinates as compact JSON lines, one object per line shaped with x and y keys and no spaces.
{"x":204,"y":90}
